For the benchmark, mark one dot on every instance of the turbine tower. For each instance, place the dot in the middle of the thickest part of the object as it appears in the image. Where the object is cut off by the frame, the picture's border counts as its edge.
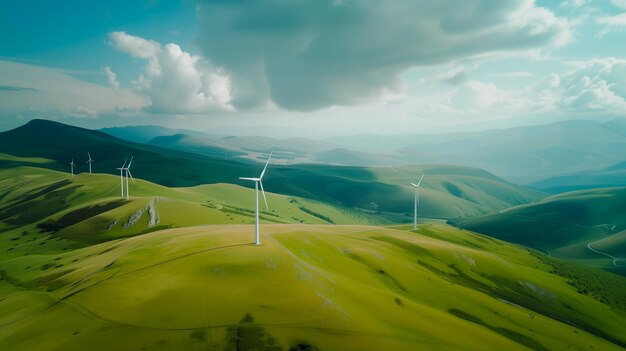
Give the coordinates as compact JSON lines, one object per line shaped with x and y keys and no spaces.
{"x":90,"y":161}
{"x":121,"y":169}
{"x":417,"y":201}
{"x":127,"y":169}
{"x":72,"y":166}
{"x":258,"y":181}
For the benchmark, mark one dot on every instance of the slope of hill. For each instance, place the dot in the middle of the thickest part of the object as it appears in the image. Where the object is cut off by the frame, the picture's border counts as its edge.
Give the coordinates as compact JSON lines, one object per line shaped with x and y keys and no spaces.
{"x":455,"y":191}
{"x":144,"y":133}
{"x":305,"y":288}
{"x":51,"y":202}
{"x":585,"y":226}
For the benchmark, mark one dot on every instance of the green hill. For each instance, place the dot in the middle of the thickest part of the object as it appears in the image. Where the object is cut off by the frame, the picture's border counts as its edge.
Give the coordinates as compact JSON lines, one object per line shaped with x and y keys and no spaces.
{"x":307,"y":287}
{"x":565,"y":225}
{"x":449,"y":192}
{"x":174,"y":268}
{"x":50,"y":202}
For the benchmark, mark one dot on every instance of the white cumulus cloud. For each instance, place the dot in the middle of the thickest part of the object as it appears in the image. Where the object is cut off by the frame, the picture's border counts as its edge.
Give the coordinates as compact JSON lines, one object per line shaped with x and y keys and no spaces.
{"x":111,"y":77}
{"x":175,"y":81}
{"x":592,"y":87}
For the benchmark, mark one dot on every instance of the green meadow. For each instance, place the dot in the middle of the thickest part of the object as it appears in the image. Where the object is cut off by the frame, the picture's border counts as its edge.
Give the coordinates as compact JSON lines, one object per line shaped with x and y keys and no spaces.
{"x":585,"y":226}
{"x":174,"y":268}
{"x":320,"y":286}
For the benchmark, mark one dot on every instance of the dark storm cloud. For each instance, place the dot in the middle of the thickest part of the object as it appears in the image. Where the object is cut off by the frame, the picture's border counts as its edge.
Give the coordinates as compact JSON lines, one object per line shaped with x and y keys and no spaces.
{"x":309,"y":54}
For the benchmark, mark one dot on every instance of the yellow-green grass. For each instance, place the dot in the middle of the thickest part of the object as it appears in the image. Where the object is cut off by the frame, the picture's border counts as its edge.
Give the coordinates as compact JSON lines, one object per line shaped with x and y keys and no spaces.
{"x":39,"y":207}
{"x":332,"y":287}
{"x":34,"y":160}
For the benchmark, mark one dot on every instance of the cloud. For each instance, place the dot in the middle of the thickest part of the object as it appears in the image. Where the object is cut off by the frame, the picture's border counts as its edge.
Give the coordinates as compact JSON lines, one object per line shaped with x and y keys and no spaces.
{"x":619,"y":3}
{"x":595,"y":87}
{"x":310,"y":54}
{"x":14,"y":88}
{"x":613,"y":21}
{"x":175,"y":81}
{"x":135,"y":46}
{"x":111,"y":77}
{"x":31,"y":91}
{"x":516,"y":74}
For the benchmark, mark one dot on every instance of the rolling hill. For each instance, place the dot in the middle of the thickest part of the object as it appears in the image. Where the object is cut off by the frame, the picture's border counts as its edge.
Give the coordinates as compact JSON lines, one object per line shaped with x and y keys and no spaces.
{"x":174,"y":268}
{"x":307,"y":287}
{"x":557,"y":157}
{"x":586,"y":226}
{"x":383,"y":192}
{"x":50,"y":202}
{"x":145,"y":133}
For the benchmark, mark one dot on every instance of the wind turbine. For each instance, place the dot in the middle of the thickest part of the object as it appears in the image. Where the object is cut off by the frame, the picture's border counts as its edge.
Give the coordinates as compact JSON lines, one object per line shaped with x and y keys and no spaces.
{"x":90,"y":161}
{"x":121,"y":169}
{"x":258,"y":181}
{"x":417,"y":200}
{"x":72,"y":166}
{"x":127,"y":169}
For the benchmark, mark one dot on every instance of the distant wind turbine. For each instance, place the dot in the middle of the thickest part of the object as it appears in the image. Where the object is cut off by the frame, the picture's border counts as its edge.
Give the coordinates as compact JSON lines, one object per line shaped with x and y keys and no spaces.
{"x":90,"y":161}
{"x":72,"y":166}
{"x":417,"y":201}
{"x":258,"y":181}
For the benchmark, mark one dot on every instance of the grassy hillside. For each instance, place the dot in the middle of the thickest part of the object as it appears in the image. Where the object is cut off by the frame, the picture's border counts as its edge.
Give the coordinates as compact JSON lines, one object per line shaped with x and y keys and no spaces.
{"x":450,"y":192}
{"x":49,"y":202}
{"x":586,"y":226}
{"x":305,"y":288}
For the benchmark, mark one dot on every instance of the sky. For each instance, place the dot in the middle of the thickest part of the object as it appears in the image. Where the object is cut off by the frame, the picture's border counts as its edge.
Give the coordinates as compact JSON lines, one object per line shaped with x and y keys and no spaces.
{"x":312,"y":67}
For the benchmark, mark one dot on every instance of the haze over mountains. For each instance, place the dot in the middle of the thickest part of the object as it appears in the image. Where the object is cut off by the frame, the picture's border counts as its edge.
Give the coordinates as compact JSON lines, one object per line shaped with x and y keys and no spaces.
{"x":555,"y":157}
{"x":451,"y":191}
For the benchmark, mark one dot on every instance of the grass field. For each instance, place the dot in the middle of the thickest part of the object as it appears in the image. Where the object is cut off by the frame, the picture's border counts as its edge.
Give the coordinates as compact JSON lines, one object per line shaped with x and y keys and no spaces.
{"x":44,"y":202}
{"x":585,"y":226}
{"x":175,"y":268}
{"x":328,"y":287}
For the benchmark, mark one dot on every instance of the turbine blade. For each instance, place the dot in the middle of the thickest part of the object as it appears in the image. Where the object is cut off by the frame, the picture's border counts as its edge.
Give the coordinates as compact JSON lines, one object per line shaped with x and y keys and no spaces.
{"x":131,"y":161}
{"x":131,"y":175}
{"x":415,"y":185}
{"x":124,"y":165}
{"x":264,"y":168}
{"x":252,"y":179}
{"x":264,"y":198}
{"x":420,"y":182}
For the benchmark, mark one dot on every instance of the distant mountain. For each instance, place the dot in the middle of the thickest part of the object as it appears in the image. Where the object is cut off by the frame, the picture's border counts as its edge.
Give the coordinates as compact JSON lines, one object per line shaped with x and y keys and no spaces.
{"x":564,"y":225}
{"x":521,"y":154}
{"x":611,"y":176}
{"x":449,"y":192}
{"x":144,"y":134}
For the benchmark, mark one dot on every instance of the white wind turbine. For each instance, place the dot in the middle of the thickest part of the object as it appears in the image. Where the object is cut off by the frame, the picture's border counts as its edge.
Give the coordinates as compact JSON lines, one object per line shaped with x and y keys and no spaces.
{"x":417,"y":201}
{"x":258,"y":181}
{"x":121,"y":169}
{"x":127,"y":169}
{"x":72,"y":166}
{"x":90,"y":161}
